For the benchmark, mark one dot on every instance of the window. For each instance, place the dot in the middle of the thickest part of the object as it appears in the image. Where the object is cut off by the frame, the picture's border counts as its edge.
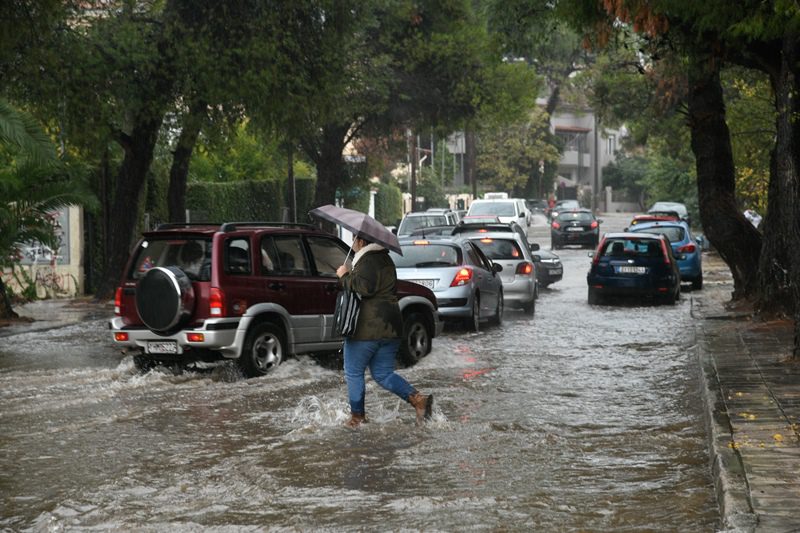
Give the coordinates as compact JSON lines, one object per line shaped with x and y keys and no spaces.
{"x":500,"y":249}
{"x":237,"y":256}
{"x":427,"y":256}
{"x":285,"y":256}
{"x":193,"y":256}
{"x":611,"y":144}
{"x":328,"y":255}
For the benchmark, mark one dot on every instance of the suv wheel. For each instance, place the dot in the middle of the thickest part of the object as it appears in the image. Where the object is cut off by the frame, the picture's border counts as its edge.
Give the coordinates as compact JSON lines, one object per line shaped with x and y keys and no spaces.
{"x":416,"y":342}
{"x":263,"y":350}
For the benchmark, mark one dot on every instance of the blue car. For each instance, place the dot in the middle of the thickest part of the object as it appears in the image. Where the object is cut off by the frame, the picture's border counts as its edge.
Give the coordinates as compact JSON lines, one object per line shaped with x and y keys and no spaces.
{"x":684,"y":246}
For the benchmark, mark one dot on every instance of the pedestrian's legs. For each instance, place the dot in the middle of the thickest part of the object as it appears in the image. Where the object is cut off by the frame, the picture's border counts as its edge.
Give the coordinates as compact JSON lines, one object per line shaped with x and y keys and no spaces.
{"x":382,"y":369}
{"x":357,"y":355}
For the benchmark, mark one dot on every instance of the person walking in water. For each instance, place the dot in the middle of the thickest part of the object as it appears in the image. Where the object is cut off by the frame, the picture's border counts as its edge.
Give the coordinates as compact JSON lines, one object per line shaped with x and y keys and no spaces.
{"x":377,"y":335}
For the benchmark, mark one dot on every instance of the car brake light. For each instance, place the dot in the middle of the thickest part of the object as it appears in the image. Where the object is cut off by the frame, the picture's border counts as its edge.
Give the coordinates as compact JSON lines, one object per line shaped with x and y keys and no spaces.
{"x":687,"y":249}
{"x":462,"y":277}
{"x":216,"y":302}
{"x":594,"y":224}
{"x":487,"y":241}
{"x":665,"y":251}
{"x":118,"y":302}
{"x":524,"y":268}
{"x":556,"y":225}
{"x":195,"y":337}
{"x":120,"y":336}
{"x":422,"y":243}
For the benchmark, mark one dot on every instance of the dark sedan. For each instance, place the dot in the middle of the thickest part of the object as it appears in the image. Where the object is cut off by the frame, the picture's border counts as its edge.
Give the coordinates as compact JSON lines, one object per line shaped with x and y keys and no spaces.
{"x":636,"y":265}
{"x":548,"y":266}
{"x":576,"y":226}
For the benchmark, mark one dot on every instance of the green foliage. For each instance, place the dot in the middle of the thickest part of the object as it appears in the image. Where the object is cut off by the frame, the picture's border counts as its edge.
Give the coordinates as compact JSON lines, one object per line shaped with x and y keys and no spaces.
{"x":388,"y":204}
{"x":429,"y":187}
{"x":241,"y":200}
{"x":305,"y":189}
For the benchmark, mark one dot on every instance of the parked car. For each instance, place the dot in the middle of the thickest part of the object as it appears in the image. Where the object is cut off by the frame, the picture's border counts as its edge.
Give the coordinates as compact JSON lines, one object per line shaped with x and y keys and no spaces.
{"x":425,"y":219}
{"x":470,"y":226}
{"x":537,"y":206}
{"x":575,"y":226}
{"x":684,"y":246}
{"x":548,"y":266}
{"x":262,"y":292}
{"x":676,"y":207}
{"x":634,"y":264}
{"x":464,"y":280}
{"x":563,"y":205}
{"x":520,"y":285}
{"x":507,"y":210}
{"x":656,"y":216}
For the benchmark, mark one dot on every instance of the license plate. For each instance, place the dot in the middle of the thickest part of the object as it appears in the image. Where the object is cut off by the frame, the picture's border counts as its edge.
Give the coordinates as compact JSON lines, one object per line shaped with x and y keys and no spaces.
{"x":574,"y":229}
{"x":632,"y":270}
{"x":555,"y":271}
{"x":162,"y":347}
{"x":424,"y":282}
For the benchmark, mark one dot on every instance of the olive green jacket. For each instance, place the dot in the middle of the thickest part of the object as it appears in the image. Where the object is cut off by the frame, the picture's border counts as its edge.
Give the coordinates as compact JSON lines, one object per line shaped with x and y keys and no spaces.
{"x":374,"y":278}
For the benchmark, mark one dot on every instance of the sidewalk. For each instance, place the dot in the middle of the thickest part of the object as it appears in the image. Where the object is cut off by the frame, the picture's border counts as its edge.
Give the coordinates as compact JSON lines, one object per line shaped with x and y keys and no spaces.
{"x":42,"y":315}
{"x":752,"y":395}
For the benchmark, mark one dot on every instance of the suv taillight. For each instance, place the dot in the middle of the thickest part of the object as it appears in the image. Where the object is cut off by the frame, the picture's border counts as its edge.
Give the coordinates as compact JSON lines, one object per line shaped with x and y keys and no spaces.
{"x":216,"y":302}
{"x":462,"y":277}
{"x":524,"y":268}
{"x":665,"y":251}
{"x":118,"y":302}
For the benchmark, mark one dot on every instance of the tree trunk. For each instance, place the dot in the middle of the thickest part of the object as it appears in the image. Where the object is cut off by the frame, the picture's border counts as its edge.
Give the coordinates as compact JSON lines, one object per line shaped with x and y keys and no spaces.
{"x":736,"y":240}
{"x":787,"y":146}
{"x":181,"y":157}
{"x":5,"y":304}
{"x":124,"y":210}
{"x":327,"y":156}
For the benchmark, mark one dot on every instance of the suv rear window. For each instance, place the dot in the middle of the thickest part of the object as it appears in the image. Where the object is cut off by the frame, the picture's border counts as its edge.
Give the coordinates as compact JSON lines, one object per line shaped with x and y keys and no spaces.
{"x":672,"y":233}
{"x":427,"y":256}
{"x":632,"y":247}
{"x":426,"y":221}
{"x":499,"y":248}
{"x":501,"y":209}
{"x":193,"y":256}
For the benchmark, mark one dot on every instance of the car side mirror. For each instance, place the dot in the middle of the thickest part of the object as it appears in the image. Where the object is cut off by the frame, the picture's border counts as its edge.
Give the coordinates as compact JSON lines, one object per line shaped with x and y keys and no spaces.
{"x":497,"y":267}
{"x":599,"y":220}
{"x":535,"y":247}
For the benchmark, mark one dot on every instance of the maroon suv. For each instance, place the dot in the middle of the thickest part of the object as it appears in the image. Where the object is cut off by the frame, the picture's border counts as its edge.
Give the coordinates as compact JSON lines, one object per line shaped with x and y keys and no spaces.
{"x":256,"y":292}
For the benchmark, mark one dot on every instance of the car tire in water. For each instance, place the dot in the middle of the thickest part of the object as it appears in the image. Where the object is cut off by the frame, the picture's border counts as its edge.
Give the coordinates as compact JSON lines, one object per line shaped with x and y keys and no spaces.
{"x":263,"y":351}
{"x":143,"y":363}
{"x":530,"y":307}
{"x":416,"y":341}
{"x":594,"y":297}
{"x":473,"y":323}
{"x":497,"y":319}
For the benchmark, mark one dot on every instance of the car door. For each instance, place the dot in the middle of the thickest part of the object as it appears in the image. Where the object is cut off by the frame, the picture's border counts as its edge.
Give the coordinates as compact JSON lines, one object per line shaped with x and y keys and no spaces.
{"x":327,"y":254}
{"x":287,"y":280}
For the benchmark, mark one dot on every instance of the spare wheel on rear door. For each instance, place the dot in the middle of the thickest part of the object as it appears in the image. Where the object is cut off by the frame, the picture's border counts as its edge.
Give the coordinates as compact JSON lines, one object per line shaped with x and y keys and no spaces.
{"x":165,"y":299}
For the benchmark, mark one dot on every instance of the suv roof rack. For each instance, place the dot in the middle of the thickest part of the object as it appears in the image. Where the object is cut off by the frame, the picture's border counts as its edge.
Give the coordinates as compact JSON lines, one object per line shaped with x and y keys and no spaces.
{"x":175,"y":225}
{"x":233,"y":226}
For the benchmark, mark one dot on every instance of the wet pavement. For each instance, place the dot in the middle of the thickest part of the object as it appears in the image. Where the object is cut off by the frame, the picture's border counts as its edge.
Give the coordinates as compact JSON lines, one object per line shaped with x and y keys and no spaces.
{"x":581,"y":418}
{"x":753,"y":397}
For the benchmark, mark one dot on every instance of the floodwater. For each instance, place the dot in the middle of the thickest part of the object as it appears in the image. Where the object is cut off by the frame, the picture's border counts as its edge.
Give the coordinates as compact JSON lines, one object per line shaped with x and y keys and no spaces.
{"x":578,"y":419}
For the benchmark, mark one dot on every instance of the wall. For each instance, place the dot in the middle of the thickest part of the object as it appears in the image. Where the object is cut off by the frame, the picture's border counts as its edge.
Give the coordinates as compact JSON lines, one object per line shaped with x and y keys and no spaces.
{"x":54,"y":273}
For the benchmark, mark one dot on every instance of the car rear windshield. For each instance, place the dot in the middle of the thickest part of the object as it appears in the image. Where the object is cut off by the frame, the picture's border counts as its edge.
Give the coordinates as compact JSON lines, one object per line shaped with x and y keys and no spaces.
{"x":579,"y":216}
{"x":193,"y":256}
{"x":672,"y":233}
{"x":500,"y":209}
{"x":413,"y":223}
{"x":632,"y":248}
{"x":427,"y":256}
{"x":499,"y":248}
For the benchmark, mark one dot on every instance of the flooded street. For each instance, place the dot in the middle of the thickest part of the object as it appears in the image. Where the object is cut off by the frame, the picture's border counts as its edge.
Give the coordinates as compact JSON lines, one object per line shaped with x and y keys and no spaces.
{"x":577,"y":419}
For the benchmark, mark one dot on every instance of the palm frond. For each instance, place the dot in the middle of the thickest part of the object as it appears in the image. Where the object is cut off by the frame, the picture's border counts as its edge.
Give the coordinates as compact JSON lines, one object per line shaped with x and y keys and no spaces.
{"x":23,"y":132}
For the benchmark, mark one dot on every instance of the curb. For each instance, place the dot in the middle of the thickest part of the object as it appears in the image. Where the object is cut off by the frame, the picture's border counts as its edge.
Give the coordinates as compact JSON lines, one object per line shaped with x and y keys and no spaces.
{"x":727,"y":468}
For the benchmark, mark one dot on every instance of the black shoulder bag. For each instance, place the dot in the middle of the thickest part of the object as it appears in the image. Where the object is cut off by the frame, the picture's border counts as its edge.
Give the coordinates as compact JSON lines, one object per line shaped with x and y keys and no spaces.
{"x":345,"y":317}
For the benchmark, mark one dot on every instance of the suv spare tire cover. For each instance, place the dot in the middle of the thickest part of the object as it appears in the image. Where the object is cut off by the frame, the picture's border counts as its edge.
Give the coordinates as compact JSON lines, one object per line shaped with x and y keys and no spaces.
{"x":165,"y":299}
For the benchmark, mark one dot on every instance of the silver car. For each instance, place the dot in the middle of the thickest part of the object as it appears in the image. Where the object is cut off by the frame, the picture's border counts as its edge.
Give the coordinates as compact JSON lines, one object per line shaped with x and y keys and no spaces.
{"x":466,"y":283}
{"x":520,"y":285}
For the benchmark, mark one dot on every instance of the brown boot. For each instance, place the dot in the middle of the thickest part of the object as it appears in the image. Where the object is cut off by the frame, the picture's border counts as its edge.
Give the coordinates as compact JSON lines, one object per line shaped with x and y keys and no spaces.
{"x":355,"y":421}
{"x":423,"y":403}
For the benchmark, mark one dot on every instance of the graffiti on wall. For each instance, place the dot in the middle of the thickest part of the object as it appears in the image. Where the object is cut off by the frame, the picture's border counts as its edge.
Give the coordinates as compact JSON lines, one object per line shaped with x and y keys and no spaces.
{"x":36,"y":253}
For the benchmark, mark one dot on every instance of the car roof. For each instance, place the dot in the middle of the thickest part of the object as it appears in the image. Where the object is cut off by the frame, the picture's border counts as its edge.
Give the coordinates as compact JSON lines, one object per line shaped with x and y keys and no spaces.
{"x":632,"y":235}
{"x":576,"y":210}
{"x":661,"y":224}
{"x":209,"y":229}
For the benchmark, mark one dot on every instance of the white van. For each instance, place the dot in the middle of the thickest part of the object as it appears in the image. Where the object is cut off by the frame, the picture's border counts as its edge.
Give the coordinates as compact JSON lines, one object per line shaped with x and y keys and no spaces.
{"x":507,"y":210}
{"x":495,"y":196}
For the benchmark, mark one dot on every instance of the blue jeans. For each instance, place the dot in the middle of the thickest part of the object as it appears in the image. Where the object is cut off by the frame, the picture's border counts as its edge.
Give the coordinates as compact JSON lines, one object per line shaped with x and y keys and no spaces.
{"x":379,"y":356}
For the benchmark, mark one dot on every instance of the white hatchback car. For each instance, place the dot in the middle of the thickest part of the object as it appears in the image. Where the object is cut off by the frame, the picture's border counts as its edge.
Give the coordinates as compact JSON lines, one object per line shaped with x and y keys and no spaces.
{"x":506,"y":210}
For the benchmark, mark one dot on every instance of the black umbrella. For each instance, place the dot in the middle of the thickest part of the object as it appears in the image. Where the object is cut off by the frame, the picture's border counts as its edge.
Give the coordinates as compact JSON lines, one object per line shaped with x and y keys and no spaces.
{"x":361,"y":224}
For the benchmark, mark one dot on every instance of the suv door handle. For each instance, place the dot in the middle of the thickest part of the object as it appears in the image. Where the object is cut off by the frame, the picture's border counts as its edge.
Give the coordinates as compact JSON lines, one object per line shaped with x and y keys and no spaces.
{"x":276,"y":286}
